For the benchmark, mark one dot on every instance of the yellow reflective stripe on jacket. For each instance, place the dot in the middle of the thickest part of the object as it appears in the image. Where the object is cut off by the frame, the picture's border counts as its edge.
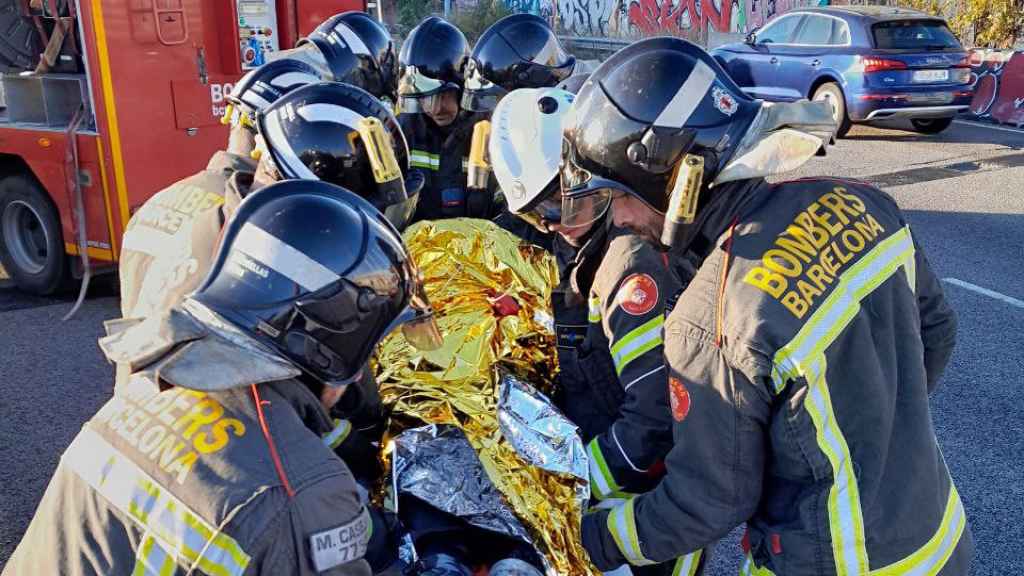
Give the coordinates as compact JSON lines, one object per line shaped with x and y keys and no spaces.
{"x":687,"y":565}
{"x":828,"y":321}
{"x":622,"y":525}
{"x":602,"y":483}
{"x":178,"y":531}
{"x":931,"y":557}
{"x":424,"y":159}
{"x":805,"y":356}
{"x":748,"y":568}
{"x":152,"y":560}
{"x":335,"y":437}
{"x":594,"y":309}
{"x":637,"y":342}
{"x":846,"y":520}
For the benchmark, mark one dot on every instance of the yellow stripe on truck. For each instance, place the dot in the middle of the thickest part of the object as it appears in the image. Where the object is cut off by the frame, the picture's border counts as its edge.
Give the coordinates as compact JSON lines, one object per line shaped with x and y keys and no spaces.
{"x":111,"y":110}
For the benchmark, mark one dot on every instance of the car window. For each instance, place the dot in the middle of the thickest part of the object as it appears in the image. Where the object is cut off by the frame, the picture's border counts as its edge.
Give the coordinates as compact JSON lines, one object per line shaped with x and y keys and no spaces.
{"x":914,"y":34}
{"x":779,"y":31}
{"x":816,"y":31}
{"x":840,"y":33}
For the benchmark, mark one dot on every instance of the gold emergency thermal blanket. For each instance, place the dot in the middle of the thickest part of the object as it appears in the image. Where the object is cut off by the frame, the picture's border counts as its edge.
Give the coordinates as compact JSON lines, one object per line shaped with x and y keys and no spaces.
{"x":491,"y":293}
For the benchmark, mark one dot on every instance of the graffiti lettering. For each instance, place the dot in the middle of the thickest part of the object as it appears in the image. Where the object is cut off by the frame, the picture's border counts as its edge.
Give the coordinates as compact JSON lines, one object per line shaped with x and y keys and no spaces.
{"x":998,"y":86}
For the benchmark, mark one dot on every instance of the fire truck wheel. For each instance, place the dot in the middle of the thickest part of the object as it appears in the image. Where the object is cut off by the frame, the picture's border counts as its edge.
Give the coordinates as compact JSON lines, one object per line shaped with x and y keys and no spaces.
{"x":31,"y":240}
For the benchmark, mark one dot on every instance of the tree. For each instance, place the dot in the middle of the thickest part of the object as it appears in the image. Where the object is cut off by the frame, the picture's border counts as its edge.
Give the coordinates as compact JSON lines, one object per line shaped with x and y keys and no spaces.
{"x":994,"y":23}
{"x":474,"y":19}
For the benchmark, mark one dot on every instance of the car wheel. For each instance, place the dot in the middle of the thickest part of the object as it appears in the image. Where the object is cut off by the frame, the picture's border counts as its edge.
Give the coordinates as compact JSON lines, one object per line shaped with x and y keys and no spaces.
{"x":831,"y":92}
{"x":930,"y":125}
{"x":31,"y":239}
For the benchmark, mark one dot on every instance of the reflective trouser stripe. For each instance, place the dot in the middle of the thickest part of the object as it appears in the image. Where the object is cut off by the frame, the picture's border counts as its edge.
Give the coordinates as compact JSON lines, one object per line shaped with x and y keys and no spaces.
{"x":637,"y":342}
{"x":602,"y":482}
{"x":179,"y":532}
{"x":805,"y":357}
{"x":594,"y":309}
{"x":931,"y":557}
{"x":687,"y":565}
{"x":622,"y":526}
{"x":335,"y":437}
{"x":748,"y":568}
{"x":423,"y":159}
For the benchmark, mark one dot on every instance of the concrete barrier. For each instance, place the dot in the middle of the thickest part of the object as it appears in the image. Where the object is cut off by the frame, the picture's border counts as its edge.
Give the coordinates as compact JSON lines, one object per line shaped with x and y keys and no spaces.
{"x":998,"y":86}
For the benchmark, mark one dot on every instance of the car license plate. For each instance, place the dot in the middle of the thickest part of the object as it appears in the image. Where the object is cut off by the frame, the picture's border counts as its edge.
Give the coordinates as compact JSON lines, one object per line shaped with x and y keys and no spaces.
{"x":931,"y":75}
{"x":931,"y":98}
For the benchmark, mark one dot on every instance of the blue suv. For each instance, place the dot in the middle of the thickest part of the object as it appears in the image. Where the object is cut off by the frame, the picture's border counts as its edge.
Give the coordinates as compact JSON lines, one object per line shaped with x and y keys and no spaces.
{"x":869,"y":62}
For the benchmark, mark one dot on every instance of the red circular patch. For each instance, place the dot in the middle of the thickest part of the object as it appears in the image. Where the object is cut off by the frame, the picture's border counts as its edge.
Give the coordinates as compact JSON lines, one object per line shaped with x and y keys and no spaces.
{"x":638,"y":295}
{"x":679,"y":397}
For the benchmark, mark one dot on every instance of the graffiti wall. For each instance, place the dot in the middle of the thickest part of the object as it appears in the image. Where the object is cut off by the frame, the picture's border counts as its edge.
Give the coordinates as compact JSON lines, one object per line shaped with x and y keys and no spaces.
{"x":998,"y":86}
{"x":690,"y":19}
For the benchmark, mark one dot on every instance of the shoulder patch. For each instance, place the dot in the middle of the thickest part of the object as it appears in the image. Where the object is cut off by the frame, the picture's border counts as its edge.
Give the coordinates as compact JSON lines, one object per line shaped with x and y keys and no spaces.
{"x":341,"y":544}
{"x":679,"y":398}
{"x":638,"y":294}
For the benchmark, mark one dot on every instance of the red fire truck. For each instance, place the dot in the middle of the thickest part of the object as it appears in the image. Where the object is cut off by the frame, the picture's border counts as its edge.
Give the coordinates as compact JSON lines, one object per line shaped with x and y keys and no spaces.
{"x":130,"y":104}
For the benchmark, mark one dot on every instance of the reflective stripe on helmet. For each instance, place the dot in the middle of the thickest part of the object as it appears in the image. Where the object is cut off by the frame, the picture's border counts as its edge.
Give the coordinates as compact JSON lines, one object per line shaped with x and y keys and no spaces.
{"x":267,"y":249}
{"x":348,"y":38}
{"x":688,"y":97}
{"x":177,"y":532}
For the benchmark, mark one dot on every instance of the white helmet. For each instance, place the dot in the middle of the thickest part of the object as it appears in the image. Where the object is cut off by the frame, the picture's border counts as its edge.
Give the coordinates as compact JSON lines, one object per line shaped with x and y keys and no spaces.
{"x":525,"y":150}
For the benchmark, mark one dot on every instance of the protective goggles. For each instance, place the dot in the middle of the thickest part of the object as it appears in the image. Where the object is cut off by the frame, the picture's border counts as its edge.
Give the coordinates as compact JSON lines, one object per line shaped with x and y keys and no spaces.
{"x":546,"y":212}
{"x":585,"y":196}
{"x":419,"y":327}
{"x":419,"y":93}
{"x":480,"y":95}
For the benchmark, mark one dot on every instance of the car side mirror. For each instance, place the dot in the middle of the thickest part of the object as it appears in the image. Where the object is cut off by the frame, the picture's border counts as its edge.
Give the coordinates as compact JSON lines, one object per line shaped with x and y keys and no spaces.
{"x":751,"y":38}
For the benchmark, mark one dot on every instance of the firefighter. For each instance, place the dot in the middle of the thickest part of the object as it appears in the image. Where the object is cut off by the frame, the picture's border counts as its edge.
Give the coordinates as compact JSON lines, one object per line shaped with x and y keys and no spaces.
{"x":353,"y":48}
{"x":438,"y":131}
{"x":801,"y":355}
{"x":212,"y":460}
{"x":171,"y":239}
{"x":518,"y":51}
{"x":609,"y":307}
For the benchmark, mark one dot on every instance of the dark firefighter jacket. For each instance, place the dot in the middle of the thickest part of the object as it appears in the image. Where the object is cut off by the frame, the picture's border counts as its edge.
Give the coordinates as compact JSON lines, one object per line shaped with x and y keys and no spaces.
{"x":801,"y":357}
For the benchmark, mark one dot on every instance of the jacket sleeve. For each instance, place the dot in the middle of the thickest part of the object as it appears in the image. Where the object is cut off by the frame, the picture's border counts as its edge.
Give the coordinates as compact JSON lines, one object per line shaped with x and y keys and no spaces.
{"x":324,"y":530}
{"x":633,"y":317}
{"x":938,"y":321}
{"x":714,"y":471}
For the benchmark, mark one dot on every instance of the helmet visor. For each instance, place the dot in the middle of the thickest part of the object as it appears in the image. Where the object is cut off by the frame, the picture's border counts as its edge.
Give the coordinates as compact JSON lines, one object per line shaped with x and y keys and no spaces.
{"x":546,"y":212}
{"x":580,"y":211}
{"x":419,"y":326}
{"x":481,"y":95}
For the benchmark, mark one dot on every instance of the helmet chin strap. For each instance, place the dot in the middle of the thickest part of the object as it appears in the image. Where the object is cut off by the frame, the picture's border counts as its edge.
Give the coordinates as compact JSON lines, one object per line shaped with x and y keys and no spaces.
{"x":782,"y":138}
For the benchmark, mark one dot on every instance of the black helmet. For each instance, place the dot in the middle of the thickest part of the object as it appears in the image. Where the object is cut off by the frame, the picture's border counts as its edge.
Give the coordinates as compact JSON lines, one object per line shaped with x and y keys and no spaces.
{"x":358,"y":50}
{"x":262,"y":86}
{"x":638,"y":115}
{"x":341,"y":134}
{"x":318,"y":274}
{"x":518,"y":51}
{"x":431,"y":61}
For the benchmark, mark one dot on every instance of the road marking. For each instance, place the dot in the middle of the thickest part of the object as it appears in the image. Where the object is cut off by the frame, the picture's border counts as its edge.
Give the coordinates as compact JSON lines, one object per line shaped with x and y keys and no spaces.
{"x":985,"y":292}
{"x":990,"y":126}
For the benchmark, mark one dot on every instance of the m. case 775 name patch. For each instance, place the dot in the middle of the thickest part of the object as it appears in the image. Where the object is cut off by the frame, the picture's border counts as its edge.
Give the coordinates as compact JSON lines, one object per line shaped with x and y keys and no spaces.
{"x":342,"y":544}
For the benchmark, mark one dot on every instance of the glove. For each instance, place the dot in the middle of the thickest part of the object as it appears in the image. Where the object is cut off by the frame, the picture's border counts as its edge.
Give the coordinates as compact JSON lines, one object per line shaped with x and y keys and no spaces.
{"x":360,"y":455}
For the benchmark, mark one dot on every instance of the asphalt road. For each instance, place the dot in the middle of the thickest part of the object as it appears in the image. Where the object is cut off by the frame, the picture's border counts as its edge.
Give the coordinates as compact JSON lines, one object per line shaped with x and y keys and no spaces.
{"x":963,"y":192}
